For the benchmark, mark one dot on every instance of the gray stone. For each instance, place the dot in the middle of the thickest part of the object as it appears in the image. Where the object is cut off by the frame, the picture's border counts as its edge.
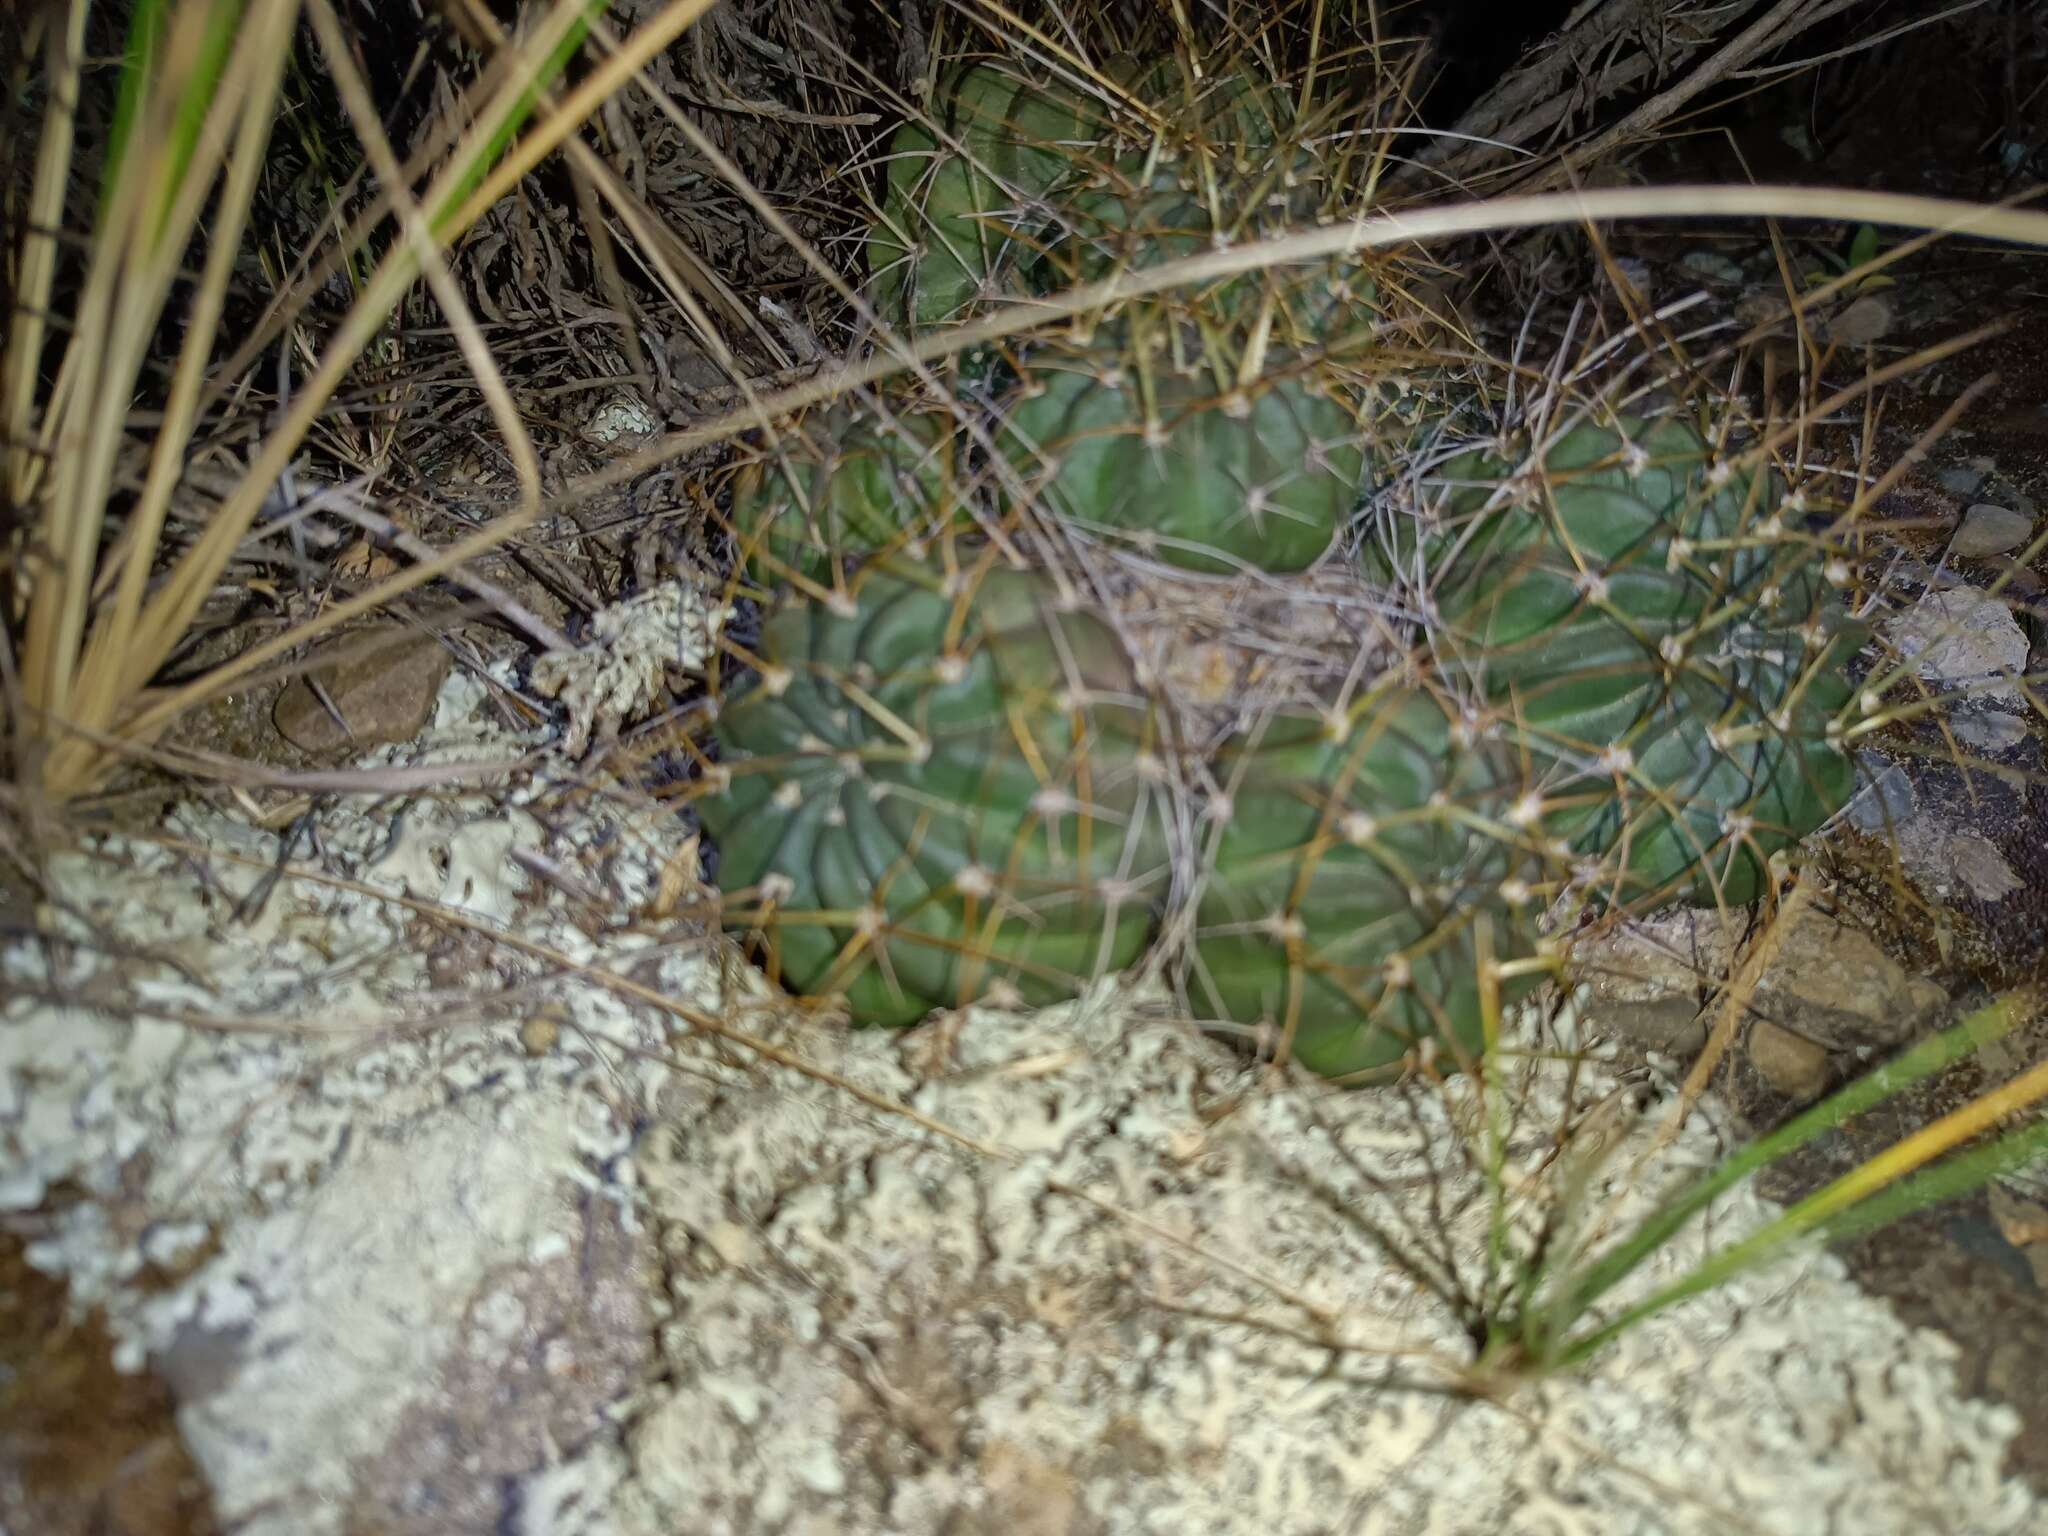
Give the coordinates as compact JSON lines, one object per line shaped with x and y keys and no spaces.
{"x":1713,"y":266}
{"x":1991,"y":530}
{"x":1865,"y":321}
{"x":1960,"y":480}
{"x":1885,"y":802}
{"x":1636,"y":273}
{"x":1963,"y":641}
{"x":1988,"y":730}
{"x":1979,"y":865}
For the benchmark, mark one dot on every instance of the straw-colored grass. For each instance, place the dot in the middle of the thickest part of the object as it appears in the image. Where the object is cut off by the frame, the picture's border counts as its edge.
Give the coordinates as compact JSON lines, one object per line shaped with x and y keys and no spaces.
{"x":101,"y":602}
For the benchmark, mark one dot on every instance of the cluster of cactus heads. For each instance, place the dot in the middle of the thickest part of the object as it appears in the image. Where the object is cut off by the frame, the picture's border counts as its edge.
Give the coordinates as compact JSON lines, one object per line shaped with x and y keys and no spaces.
{"x":1603,"y":662}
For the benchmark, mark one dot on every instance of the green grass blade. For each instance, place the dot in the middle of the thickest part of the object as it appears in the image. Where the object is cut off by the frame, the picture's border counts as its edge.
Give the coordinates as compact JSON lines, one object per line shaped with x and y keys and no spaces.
{"x":1958,"y":1176}
{"x":443,"y":217}
{"x":138,"y":66}
{"x":142,"y":76}
{"x":1921,"y":1062}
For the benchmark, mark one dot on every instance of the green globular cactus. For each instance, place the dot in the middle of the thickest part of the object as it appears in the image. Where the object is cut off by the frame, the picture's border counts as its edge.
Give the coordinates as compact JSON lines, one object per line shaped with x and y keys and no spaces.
{"x":1205,"y":473}
{"x":963,"y":203}
{"x":850,"y":483}
{"x":1636,"y":523}
{"x":1667,"y":647}
{"x":943,"y":784}
{"x":1366,"y":874}
{"x":1142,"y":211}
{"x":934,"y":796}
{"x":1676,"y":777}
{"x":1197,"y":161}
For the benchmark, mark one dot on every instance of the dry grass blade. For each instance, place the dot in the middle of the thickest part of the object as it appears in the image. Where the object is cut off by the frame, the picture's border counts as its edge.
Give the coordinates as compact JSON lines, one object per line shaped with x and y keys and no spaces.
{"x":38,"y":257}
{"x":203,"y":83}
{"x":160,"y":180}
{"x":1375,"y":232}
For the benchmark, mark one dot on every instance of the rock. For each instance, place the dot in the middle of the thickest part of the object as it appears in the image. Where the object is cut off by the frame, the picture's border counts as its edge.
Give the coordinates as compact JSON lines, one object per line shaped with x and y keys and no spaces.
{"x":1991,"y":530}
{"x":382,"y":682}
{"x":1764,"y":312}
{"x":1885,"y":803}
{"x":1988,"y":730}
{"x":1636,"y":273}
{"x":1645,"y":982}
{"x":2024,"y":1224}
{"x":1979,"y":865}
{"x":622,"y":420}
{"x":1962,"y":639}
{"x":1865,"y":321}
{"x":1946,"y":861}
{"x":1946,"y":832}
{"x":1830,"y":983}
{"x":1962,"y":479}
{"x":1672,"y":1024}
{"x":1713,"y":266}
{"x":1790,"y":1063}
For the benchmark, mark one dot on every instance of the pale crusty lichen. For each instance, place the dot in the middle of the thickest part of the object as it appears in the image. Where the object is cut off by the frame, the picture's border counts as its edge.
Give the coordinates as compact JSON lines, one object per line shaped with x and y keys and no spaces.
{"x":619,"y":673}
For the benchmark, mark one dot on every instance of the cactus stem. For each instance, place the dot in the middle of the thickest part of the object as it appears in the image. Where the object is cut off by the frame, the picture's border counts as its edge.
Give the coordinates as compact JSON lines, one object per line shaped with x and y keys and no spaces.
{"x":919,"y":746}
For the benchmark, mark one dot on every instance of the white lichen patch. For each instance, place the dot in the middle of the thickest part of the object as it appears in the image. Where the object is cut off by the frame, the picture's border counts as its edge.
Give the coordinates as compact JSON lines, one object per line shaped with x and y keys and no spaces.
{"x":621,"y":418}
{"x":913,"y":1337}
{"x":288,"y":1136}
{"x":633,"y":644}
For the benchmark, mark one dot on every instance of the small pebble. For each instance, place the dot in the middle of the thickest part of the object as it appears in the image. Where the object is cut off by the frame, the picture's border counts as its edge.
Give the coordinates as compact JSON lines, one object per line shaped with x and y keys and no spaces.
{"x":1636,"y":273}
{"x":1713,"y":266}
{"x":1792,"y":1064}
{"x":1991,"y":530}
{"x":382,"y":683}
{"x":1863,"y":322}
{"x":539,"y":1031}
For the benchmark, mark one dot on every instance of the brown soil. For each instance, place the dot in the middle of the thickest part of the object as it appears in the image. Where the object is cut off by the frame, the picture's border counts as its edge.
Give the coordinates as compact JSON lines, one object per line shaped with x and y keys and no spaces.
{"x":84,"y":1450}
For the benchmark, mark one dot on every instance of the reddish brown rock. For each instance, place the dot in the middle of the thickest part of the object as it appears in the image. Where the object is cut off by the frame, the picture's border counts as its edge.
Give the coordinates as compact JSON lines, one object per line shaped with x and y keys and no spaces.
{"x":382,"y":684}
